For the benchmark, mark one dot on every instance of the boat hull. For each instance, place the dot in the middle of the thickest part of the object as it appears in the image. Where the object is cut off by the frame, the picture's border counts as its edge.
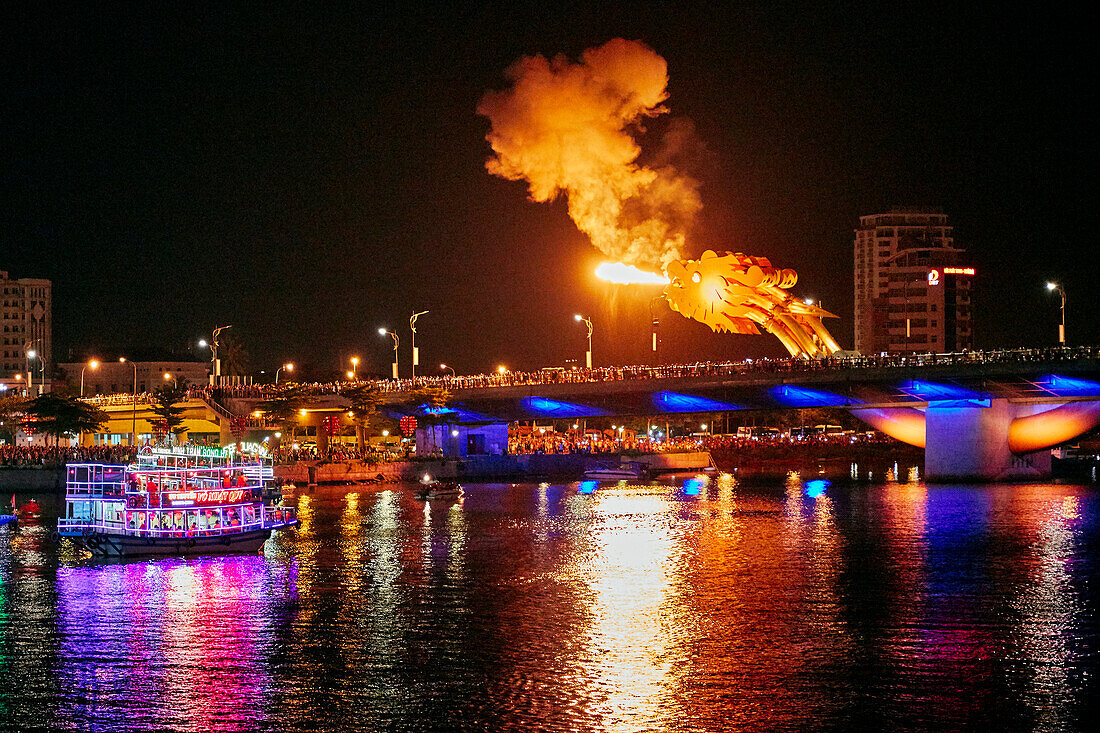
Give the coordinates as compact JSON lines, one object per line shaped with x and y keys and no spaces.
{"x":121,"y":545}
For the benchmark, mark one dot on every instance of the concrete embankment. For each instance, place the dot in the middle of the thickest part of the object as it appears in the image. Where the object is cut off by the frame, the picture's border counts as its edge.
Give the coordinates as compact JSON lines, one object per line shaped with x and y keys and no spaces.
{"x":32,"y":478}
{"x":484,"y":467}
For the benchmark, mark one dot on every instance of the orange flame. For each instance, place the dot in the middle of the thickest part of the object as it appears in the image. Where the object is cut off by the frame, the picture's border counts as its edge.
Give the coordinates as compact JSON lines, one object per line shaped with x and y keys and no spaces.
{"x":617,"y":272}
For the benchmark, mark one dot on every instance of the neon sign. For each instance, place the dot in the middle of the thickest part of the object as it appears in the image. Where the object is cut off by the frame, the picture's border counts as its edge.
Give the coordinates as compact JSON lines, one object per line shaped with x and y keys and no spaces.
{"x":958,"y":271}
{"x":933,"y":277}
{"x":202,"y":498}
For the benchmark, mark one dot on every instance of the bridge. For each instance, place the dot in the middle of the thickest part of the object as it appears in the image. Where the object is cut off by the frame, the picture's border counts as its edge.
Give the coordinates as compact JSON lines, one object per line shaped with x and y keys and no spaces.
{"x":978,"y":415}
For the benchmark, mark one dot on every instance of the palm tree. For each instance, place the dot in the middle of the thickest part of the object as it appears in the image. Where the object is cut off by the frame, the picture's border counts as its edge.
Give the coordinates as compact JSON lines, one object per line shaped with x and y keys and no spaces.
{"x":165,"y":399}
{"x":364,"y":399}
{"x":58,"y":415}
{"x":282,"y":407}
{"x":432,"y":402}
{"x":10,"y":408}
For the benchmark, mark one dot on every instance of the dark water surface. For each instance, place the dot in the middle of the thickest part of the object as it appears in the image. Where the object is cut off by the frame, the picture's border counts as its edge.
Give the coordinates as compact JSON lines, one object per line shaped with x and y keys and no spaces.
{"x":684,"y":606}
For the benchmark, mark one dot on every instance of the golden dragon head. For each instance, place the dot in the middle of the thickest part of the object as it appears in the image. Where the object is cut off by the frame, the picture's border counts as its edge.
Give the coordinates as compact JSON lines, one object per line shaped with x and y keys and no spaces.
{"x":736,"y":293}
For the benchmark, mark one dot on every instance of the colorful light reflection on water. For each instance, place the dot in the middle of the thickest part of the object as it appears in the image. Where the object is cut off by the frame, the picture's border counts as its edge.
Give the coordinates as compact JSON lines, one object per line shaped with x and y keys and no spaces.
{"x":688,"y":604}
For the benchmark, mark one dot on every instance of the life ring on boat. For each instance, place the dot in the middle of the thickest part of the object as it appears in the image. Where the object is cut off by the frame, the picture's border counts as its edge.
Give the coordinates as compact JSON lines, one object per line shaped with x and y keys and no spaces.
{"x":54,"y":536}
{"x":149,"y":540}
{"x":227,"y":541}
{"x":190,"y":541}
{"x":92,"y":543}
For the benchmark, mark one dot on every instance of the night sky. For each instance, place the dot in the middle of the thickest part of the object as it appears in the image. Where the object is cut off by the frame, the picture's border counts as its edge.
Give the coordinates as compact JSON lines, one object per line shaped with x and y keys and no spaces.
{"x":309,"y":175}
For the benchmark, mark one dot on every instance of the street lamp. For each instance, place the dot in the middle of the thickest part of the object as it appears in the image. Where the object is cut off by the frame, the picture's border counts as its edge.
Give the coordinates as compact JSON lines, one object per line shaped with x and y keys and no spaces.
{"x":444,"y":366}
{"x":354,"y":368}
{"x":31,"y":353}
{"x":217,"y":365}
{"x":502,"y":369}
{"x":1061,"y":328}
{"x":588,"y":322}
{"x":350,"y":375}
{"x":133,"y":413}
{"x":92,"y":364}
{"x":288,"y":366}
{"x":412,"y":327}
{"x":396,"y":341}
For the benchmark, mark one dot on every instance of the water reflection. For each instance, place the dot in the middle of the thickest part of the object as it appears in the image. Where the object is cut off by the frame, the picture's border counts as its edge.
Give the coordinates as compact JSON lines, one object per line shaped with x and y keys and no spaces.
{"x":690,"y":603}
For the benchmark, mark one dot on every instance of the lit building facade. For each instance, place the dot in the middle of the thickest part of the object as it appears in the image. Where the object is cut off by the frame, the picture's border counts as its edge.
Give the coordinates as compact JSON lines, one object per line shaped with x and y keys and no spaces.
{"x":113,"y":377}
{"x":912,"y":289}
{"x":26,"y":324}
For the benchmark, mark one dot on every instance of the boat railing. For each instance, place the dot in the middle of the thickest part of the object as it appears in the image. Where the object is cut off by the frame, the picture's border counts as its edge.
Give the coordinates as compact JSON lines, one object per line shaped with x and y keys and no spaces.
{"x":279,"y":516}
{"x":95,"y":489}
{"x":85,"y":526}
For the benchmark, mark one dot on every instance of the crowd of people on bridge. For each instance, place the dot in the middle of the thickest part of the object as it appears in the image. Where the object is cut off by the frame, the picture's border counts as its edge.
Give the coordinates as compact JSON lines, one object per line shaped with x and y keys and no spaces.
{"x":578,"y":375}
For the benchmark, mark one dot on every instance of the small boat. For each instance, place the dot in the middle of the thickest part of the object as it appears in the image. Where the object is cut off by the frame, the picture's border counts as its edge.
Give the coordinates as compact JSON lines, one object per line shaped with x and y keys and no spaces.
{"x":436,"y":489}
{"x":628,"y":471}
{"x":179,"y":501}
{"x":29,"y":511}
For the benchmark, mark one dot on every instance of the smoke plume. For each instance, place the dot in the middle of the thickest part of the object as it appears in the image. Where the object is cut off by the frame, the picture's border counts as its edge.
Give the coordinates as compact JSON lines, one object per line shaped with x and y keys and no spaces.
{"x":567,"y":127}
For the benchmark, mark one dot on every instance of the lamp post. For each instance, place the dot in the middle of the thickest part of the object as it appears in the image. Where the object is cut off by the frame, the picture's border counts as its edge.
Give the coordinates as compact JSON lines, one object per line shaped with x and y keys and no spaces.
{"x":288,"y":366}
{"x":416,"y":354}
{"x":396,"y":341}
{"x":216,"y":372}
{"x":92,"y":364}
{"x":444,"y":366}
{"x":31,"y":353}
{"x":133,"y":413}
{"x":655,"y":320}
{"x":587,"y":322}
{"x":355,"y":368}
{"x":1062,"y":326}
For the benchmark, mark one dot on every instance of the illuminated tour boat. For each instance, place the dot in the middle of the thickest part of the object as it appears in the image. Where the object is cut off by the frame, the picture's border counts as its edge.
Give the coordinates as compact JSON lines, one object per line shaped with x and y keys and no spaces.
{"x":174,"y":501}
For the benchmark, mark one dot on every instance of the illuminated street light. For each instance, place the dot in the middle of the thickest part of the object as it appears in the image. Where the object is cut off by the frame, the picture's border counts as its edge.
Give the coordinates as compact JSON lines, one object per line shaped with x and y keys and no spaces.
{"x":92,"y":364}
{"x":588,"y":322}
{"x":350,"y":375}
{"x":1062,"y":328}
{"x":133,"y":416}
{"x":396,"y":341}
{"x":444,"y":366}
{"x":289,"y":366}
{"x":416,"y":353}
{"x":354,"y":368}
{"x":501,"y":369}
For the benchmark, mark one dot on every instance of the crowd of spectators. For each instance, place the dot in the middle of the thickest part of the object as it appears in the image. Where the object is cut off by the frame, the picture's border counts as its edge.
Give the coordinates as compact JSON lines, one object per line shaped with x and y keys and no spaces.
{"x":52,"y":456}
{"x":576,"y":375}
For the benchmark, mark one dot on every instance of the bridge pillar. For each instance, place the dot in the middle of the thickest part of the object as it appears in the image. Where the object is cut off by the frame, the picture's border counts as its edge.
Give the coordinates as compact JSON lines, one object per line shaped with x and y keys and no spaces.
{"x":967,"y":440}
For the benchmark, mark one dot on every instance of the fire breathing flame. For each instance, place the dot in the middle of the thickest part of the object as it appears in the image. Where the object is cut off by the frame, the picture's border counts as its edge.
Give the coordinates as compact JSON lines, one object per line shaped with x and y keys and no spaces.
{"x":567,"y":128}
{"x":617,"y":272}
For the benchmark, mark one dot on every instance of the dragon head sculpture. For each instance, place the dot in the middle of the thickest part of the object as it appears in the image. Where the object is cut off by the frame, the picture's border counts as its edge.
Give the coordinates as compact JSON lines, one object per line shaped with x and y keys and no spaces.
{"x":737,"y":293}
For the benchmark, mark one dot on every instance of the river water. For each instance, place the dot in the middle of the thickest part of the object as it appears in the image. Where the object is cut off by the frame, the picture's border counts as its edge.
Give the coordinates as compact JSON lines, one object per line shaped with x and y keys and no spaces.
{"x":686,"y":605}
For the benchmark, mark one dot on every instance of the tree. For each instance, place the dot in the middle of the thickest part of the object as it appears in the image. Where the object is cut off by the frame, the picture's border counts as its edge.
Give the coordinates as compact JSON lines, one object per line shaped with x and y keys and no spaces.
{"x":283,"y":406}
{"x":233,"y":354}
{"x":432,"y":403}
{"x":165,"y":401}
{"x":11,"y":409}
{"x":59,"y":415}
{"x":364,"y":399}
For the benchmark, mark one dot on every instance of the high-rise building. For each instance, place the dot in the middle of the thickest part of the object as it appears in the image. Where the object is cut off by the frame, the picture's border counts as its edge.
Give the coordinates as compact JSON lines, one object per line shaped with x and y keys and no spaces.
{"x":26,"y":326}
{"x":912,"y":290}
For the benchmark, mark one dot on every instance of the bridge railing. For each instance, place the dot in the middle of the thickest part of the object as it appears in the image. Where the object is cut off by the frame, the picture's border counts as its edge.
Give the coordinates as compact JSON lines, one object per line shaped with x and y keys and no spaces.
{"x":670,"y":371}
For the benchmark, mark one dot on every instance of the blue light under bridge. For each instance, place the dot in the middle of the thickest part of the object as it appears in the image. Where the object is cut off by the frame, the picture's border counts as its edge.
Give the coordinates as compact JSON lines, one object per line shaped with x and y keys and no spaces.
{"x":789,"y":395}
{"x":1069,"y":386}
{"x":546,"y":407}
{"x":678,"y":402}
{"x":934,"y":391}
